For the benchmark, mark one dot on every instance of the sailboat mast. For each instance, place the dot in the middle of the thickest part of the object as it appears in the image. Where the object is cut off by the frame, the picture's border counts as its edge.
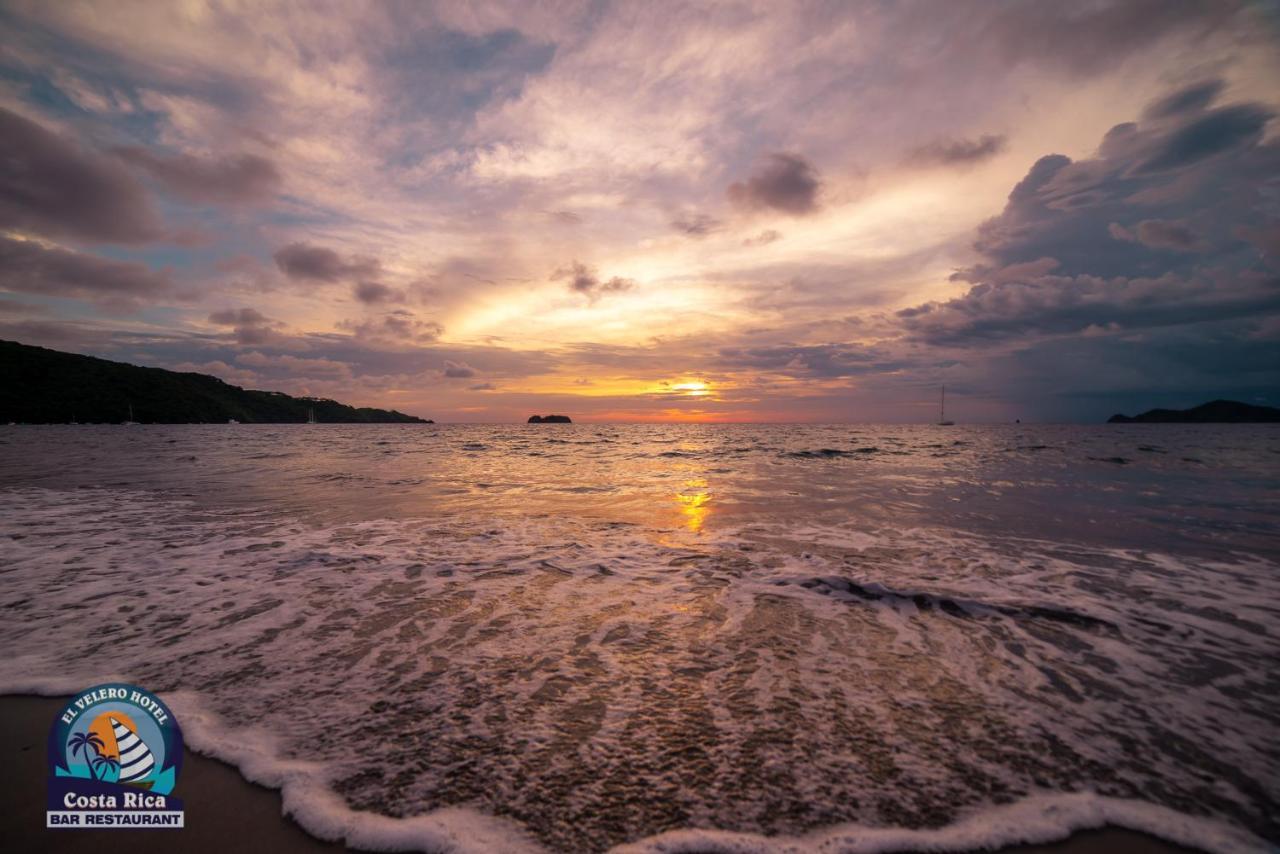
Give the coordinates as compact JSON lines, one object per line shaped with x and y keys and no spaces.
{"x":942,"y":405}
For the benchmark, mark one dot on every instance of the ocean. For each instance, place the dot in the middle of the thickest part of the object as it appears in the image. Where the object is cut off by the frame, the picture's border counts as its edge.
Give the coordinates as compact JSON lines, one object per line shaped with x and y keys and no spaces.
{"x":676,"y":637}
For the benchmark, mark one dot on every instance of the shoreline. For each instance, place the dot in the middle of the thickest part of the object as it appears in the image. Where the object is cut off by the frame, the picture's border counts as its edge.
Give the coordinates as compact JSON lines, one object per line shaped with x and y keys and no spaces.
{"x":222,"y":807}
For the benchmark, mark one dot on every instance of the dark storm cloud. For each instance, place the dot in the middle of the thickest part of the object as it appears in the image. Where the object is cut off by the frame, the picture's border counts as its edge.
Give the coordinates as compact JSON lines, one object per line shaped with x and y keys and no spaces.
{"x":695,"y":224}
{"x":28,"y":267}
{"x":782,"y":182}
{"x":237,"y":179}
{"x":1159,"y":234}
{"x":959,"y":152}
{"x":1088,"y":305}
{"x":51,"y":186}
{"x":1148,"y":235}
{"x":1064,"y":210}
{"x":585,"y":280}
{"x":1191,"y":98}
{"x":1179,"y":366}
{"x":1216,"y":132}
{"x":317,"y":263}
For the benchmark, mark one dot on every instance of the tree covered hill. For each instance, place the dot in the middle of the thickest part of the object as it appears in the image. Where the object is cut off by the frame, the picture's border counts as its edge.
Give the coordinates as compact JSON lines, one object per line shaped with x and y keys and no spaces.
{"x":40,"y":386}
{"x":1213,"y":412}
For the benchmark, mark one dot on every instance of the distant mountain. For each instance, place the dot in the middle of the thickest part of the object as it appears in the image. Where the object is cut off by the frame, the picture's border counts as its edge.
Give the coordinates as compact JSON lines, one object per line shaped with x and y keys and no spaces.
{"x":39,"y":386}
{"x":550,"y":419}
{"x":1213,"y":412}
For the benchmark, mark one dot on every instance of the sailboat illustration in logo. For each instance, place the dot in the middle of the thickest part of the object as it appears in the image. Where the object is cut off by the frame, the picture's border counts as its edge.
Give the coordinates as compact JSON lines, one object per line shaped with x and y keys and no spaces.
{"x":135,"y":760}
{"x":114,"y":756}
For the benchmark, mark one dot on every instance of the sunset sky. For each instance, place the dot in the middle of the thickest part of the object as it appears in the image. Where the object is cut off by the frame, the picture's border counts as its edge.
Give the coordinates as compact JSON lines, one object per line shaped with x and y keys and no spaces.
{"x":654,"y":211}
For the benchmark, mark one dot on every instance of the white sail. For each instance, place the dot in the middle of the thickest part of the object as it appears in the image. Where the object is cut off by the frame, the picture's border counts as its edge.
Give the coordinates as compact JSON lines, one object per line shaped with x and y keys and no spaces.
{"x":136,"y":761}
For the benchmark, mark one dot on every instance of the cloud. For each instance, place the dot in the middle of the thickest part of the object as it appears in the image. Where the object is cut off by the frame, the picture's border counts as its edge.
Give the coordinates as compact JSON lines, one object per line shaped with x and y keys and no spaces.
{"x":373,"y":293}
{"x":585,"y":280}
{"x":27,"y":266}
{"x":1213,"y":133}
{"x":1191,"y":98}
{"x":1057,"y":305}
{"x":457,"y":370}
{"x":764,"y":238}
{"x":13,"y":306}
{"x":564,"y":217}
{"x":316,"y":263}
{"x":781,"y":182}
{"x":238,"y":179}
{"x":1060,"y":261}
{"x":1159,"y":234}
{"x":296,"y":366}
{"x":803,"y":360}
{"x":53,"y":187}
{"x":250,"y":326}
{"x":695,"y":224}
{"x":1084,"y":40}
{"x":482,"y":387}
{"x":399,"y":326}
{"x":1168,"y":173}
{"x":959,"y":152}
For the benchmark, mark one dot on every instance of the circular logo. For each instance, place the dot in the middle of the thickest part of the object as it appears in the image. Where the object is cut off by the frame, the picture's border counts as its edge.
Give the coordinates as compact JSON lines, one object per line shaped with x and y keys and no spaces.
{"x":115,"y":751}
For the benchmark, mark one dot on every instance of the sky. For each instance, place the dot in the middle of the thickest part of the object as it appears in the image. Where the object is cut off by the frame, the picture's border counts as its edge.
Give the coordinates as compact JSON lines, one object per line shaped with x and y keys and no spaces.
{"x":654,"y":211}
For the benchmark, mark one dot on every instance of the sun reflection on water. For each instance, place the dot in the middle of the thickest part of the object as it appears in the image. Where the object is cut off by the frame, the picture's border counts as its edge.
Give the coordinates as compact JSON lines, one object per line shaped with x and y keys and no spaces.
{"x":693,"y":497}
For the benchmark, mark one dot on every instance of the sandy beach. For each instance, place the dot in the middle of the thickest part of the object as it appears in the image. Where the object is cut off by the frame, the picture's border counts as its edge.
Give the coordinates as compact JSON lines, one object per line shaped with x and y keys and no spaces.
{"x":226,"y":812}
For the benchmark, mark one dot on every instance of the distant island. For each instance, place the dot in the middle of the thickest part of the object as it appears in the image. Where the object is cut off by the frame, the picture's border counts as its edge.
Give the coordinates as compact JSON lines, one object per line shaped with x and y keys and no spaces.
{"x":1213,"y":412}
{"x":550,"y":419}
{"x":40,"y":386}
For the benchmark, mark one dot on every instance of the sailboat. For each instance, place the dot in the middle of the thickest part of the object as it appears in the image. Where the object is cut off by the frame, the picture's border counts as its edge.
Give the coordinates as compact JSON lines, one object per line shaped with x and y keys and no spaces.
{"x":131,"y":422}
{"x":942,"y":410}
{"x":311,"y":416}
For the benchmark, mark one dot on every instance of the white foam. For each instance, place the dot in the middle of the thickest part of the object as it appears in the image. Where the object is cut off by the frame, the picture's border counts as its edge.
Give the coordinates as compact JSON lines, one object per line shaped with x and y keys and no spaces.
{"x":1034,"y":820}
{"x":307,"y":798}
{"x":582,"y":675}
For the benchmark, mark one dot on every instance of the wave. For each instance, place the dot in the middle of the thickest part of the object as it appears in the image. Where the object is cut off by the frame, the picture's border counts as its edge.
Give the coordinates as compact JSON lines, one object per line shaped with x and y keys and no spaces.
{"x":592,"y":679}
{"x":308,"y":800}
{"x":955,"y":606}
{"x":829,"y":453}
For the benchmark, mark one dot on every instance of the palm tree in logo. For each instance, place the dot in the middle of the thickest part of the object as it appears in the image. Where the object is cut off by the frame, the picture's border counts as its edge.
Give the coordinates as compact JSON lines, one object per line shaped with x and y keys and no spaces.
{"x":109,"y":763}
{"x":83,"y":742}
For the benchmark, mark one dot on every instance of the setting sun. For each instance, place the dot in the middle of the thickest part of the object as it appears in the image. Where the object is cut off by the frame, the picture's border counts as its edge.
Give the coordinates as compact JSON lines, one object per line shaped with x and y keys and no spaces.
{"x":693,"y":389}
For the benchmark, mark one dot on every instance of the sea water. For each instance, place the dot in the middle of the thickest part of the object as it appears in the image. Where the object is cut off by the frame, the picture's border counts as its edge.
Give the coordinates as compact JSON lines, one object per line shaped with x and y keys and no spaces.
{"x":676,"y":638}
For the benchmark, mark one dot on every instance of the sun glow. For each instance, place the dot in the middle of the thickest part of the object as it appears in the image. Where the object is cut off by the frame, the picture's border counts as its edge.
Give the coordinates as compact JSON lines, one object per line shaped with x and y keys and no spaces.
{"x":696,"y":388}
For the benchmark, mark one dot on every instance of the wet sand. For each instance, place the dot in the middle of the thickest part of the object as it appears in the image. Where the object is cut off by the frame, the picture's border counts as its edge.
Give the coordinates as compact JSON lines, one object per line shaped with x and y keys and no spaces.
{"x":224,"y":812}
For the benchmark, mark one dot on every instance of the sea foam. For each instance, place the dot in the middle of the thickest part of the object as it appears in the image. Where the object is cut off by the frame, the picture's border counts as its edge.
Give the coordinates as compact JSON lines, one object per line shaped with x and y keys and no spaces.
{"x":462,"y":684}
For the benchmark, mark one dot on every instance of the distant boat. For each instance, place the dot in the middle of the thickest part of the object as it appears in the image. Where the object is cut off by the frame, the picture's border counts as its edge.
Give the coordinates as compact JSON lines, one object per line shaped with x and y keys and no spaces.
{"x":942,"y":410}
{"x":131,"y":422}
{"x":311,"y":416}
{"x":232,"y":421}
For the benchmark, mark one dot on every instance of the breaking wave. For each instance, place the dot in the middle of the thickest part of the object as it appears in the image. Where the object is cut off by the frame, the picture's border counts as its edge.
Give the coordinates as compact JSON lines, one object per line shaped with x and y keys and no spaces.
{"x":542,"y":681}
